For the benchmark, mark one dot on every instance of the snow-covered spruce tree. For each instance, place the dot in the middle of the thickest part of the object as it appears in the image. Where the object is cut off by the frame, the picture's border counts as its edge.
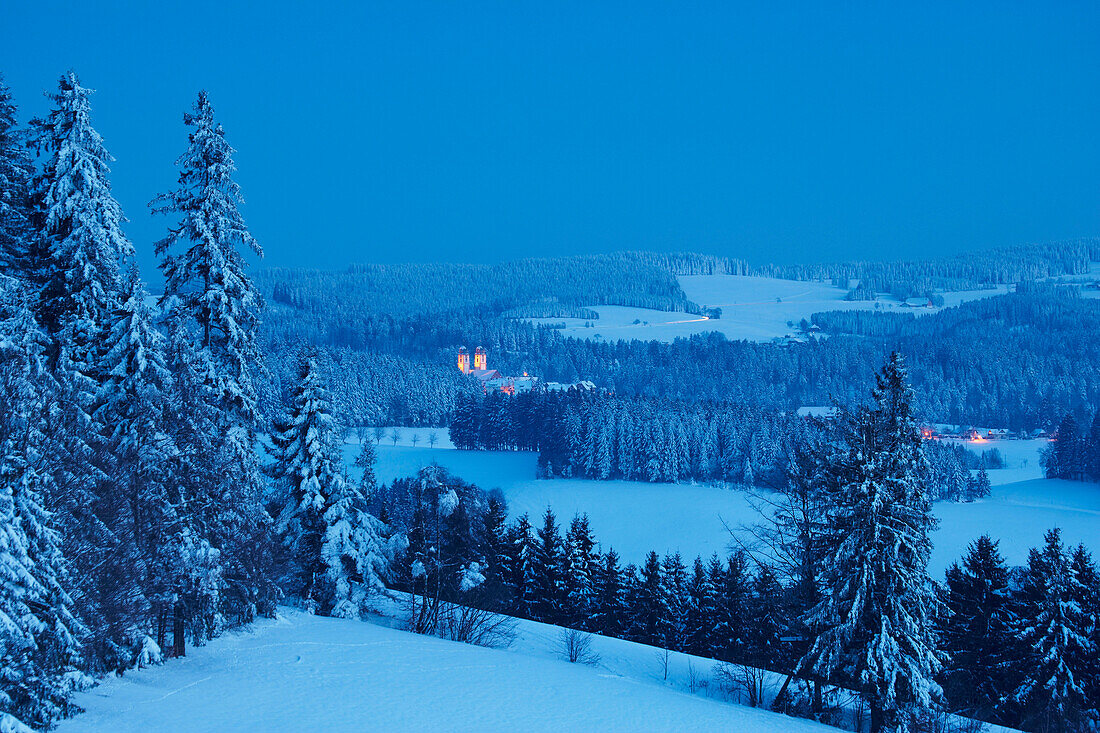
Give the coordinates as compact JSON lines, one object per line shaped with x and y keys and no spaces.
{"x":734,"y":595}
{"x":700,"y":611}
{"x":607,"y":591}
{"x":81,"y":227}
{"x":873,"y":629}
{"x":978,"y":487}
{"x":191,"y":421}
{"x":673,"y":616}
{"x":16,"y":175}
{"x":355,"y":556}
{"x":79,"y":251}
{"x":1086,"y":594}
{"x":38,"y":644}
{"x":1092,"y":449}
{"x":580,"y":560}
{"x":549,"y":571}
{"x":366,"y":459}
{"x":1063,"y":457}
{"x":1053,"y":635}
{"x":978,"y":677}
{"x":143,"y":503}
{"x":206,"y":283}
{"x":644,"y":604}
{"x":520,"y":571}
{"x":495,"y":588}
{"x":335,"y":546}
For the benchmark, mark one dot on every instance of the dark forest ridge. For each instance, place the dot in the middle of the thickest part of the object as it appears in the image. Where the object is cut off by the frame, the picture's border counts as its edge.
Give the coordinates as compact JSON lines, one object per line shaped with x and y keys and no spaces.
{"x":642,"y":279}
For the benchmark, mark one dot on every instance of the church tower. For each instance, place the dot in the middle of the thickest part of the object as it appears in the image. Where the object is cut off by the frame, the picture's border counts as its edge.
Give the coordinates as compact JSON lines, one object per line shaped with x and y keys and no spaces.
{"x":463,"y":360}
{"x":479,"y":358}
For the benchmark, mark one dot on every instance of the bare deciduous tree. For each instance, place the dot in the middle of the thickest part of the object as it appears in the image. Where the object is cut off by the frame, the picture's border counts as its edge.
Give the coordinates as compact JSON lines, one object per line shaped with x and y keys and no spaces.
{"x":476,"y":626}
{"x":576,"y":647}
{"x":743,"y":681}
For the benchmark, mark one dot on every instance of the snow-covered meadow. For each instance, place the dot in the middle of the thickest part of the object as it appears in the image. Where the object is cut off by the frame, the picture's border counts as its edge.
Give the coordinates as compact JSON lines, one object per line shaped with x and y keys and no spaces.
{"x":308,"y":673}
{"x":636,"y":517}
{"x":753,"y":308}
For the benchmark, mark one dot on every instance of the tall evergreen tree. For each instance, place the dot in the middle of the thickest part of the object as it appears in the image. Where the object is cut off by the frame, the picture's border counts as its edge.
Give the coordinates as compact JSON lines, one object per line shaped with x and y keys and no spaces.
{"x":978,"y":677}
{"x":1085,"y":592}
{"x":700,"y":611}
{"x":607,"y":613}
{"x":1092,"y":449}
{"x":138,"y":501}
{"x":674,"y":609}
{"x":580,"y":561}
{"x":366,"y":459}
{"x":16,"y":210}
{"x":77,"y":258}
{"x":207,"y":287}
{"x":645,"y":603}
{"x":81,"y":227}
{"x":521,"y":580}
{"x":336,"y":548}
{"x":495,"y":587}
{"x":873,"y":629}
{"x":733,"y":588}
{"x":549,"y":571}
{"x":38,"y":634}
{"x":768,"y":620}
{"x":1056,"y":649}
{"x":1064,"y":457}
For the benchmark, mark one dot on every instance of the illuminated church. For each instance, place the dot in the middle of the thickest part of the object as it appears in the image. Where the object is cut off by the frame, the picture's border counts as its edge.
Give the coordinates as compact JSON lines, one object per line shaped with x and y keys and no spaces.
{"x":491,"y":378}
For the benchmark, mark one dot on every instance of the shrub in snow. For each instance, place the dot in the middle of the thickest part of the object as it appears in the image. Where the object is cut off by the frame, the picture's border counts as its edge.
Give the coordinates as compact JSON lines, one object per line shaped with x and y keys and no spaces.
{"x":576,"y":647}
{"x":149,"y":653}
{"x":470,"y":577}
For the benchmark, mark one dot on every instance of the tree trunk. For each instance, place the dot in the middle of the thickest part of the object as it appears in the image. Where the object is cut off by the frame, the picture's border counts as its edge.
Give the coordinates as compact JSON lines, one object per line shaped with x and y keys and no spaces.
{"x":162,"y":625}
{"x":878,"y":717}
{"x":782,"y":690}
{"x":179,"y":644}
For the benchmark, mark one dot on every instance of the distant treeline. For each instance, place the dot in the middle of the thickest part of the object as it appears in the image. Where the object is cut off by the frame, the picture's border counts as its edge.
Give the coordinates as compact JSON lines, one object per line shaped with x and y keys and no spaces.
{"x":374,"y":389}
{"x":971,"y":270}
{"x":602,"y":436}
{"x":1019,"y":361}
{"x":432,"y":288}
{"x":552,"y":309}
{"x":580,"y":433}
{"x":1074,"y":454}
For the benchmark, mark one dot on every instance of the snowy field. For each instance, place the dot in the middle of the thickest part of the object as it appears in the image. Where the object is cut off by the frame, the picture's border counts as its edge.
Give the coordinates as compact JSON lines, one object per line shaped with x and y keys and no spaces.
{"x":636,"y":517}
{"x":1021,"y":457}
{"x":753,"y":308}
{"x":305,"y":673}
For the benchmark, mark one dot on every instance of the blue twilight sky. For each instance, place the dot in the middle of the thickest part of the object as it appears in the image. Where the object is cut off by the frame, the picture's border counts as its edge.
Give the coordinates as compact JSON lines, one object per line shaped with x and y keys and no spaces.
{"x":471,"y":131}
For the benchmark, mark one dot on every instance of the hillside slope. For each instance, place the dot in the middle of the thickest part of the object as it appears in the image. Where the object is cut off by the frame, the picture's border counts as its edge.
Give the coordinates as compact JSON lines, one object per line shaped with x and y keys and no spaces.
{"x":301,"y":672}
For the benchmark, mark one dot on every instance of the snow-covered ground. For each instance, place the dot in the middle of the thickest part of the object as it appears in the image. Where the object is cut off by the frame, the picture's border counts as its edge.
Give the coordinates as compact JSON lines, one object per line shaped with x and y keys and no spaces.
{"x":636,"y":517}
{"x":753,"y":308}
{"x":305,"y":673}
{"x":1021,"y":457}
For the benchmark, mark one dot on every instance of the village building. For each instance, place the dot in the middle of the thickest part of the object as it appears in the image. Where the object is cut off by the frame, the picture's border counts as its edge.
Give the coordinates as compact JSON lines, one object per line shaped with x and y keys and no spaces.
{"x":492,"y":379}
